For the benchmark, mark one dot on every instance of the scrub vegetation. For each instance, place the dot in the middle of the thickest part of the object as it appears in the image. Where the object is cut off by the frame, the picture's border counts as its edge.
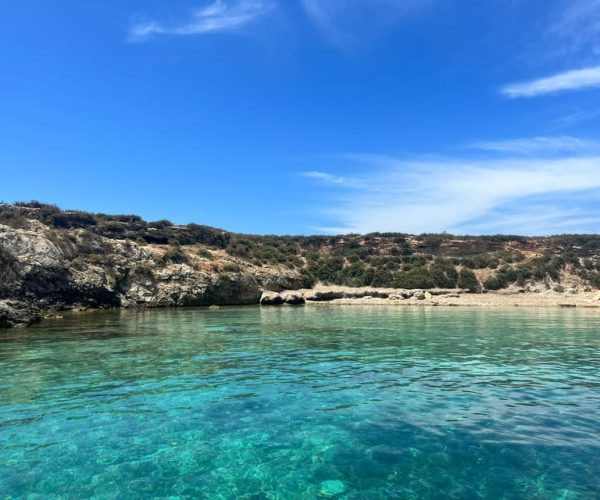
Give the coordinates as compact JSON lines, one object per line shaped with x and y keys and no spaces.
{"x":394,"y":260}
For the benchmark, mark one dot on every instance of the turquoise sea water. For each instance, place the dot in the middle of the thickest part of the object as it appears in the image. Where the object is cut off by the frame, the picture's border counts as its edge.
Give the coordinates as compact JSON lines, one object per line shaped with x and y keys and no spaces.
{"x":345,"y":402}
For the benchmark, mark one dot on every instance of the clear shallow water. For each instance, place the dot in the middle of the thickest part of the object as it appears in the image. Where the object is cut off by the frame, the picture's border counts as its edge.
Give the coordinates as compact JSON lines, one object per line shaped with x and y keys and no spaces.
{"x":303,"y":403}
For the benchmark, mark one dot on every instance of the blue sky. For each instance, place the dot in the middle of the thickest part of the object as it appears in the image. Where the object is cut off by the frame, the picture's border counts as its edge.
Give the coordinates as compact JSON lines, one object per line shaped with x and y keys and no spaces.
{"x":307,"y":116}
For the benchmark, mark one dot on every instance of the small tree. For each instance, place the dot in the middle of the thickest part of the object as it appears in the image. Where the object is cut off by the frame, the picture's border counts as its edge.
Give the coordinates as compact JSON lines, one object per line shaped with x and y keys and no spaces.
{"x":497,"y":282}
{"x":468,"y":280}
{"x":443,"y":273}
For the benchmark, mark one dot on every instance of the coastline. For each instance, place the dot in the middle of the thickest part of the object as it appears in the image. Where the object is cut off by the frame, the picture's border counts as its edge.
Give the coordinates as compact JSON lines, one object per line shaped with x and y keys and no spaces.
{"x":341,"y":296}
{"x":23,"y":315}
{"x":53,"y":261}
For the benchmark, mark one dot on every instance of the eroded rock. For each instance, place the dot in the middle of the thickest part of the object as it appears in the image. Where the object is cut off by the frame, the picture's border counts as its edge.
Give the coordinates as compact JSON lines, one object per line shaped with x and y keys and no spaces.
{"x":271,"y":299}
{"x":293,"y":299}
{"x":16,"y":314}
{"x":324,"y":296}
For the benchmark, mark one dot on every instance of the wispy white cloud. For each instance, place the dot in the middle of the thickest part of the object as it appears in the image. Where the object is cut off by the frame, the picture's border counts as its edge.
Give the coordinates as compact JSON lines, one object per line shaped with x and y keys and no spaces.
{"x":541,"y":146}
{"x":219,"y":16}
{"x":324,"y":177}
{"x":576,"y":117}
{"x":577,"y":27}
{"x":580,"y":79}
{"x":530,"y":195}
{"x":345,"y":20}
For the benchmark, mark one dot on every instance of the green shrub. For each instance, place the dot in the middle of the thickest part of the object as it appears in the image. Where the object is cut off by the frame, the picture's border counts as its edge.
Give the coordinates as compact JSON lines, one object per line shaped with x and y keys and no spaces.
{"x":204,"y":253}
{"x":308,"y":280}
{"x":497,"y":282}
{"x":419,"y":278}
{"x":175,"y":255}
{"x":443,"y":274}
{"x":468,"y":281}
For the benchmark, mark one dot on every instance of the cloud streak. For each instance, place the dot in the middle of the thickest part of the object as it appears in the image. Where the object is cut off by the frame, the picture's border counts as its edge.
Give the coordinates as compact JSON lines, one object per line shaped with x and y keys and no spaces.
{"x":540,"y":145}
{"x":538,"y":195}
{"x":220,"y":16}
{"x":581,"y":79}
{"x":578,"y":27}
{"x":324,"y":177}
{"x":343,"y":21}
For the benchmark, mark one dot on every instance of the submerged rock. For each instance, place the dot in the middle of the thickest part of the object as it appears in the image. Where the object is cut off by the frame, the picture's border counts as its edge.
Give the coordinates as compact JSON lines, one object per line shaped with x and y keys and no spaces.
{"x":332,"y":487}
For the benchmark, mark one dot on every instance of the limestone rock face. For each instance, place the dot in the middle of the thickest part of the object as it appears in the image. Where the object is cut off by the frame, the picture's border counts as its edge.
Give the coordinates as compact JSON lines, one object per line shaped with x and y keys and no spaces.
{"x":232,"y":290}
{"x":43,"y":268}
{"x":32,"y":246}
{"x":281,"y":282}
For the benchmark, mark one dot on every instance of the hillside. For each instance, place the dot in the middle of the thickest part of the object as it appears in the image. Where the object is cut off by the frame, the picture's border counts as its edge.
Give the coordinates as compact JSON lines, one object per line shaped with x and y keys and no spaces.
{"x":52,"y":259}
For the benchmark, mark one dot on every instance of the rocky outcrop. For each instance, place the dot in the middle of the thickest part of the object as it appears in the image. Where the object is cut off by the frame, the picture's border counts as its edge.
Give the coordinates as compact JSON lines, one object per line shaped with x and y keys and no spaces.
{"x":271,"y":299}
{"x":232,"y":290}
{"x":339,"y":294}
{"x":290,"y":298}
{"x":323,"y":295}
{"x":43,"y":268}
{"x":16,"y":314}
{"x":282,"y":282}
{"x":293,"y":298}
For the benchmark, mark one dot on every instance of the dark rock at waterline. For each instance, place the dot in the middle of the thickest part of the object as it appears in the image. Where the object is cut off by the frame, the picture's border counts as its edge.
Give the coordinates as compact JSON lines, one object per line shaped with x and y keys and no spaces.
{"x":242,"y":289}
{"x":271,"y":299}
{"x":294,"y":299}
{"x":324,"y":296}
{"x":15,"y":314}
{"x":277,"y":299}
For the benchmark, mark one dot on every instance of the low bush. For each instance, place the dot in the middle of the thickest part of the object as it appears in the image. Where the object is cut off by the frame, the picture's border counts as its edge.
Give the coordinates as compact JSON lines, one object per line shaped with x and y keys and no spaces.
{"x":468,"y":281}
{"x":496,"y":282}
{"x":175,"y":255}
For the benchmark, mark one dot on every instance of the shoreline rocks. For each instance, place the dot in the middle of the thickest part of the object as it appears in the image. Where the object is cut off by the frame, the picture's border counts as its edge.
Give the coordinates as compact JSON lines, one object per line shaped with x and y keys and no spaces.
{"x":15,"y":314}
{"x":271,"y":299}
{"x":435,"y":297}
{"x":290,"y":298}
{"x":299,"y":297}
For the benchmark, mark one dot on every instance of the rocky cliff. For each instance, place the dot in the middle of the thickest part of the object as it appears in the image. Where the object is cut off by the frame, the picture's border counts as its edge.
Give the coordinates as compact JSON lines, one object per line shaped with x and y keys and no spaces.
{"x":44,"y":269}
